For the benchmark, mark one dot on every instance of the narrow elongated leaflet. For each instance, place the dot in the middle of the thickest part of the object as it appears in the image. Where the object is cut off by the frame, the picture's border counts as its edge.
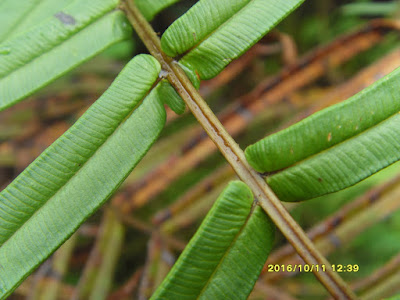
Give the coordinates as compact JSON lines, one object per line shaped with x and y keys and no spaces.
{"x":47,"y":35}
{"x":170,"y":96}
{"x":19,"y":16}
{"x":336,"y":147}
{"x":12,"y":13}
{"x":328,"y":127}
{"x":192,"y":75}
{"x":196,"y":24}
{"x":225,"y":256}
{"x":342,"y":165}
{"x":214,"y":32}
{"x":81,"y":170}
{"x":31,"y":59}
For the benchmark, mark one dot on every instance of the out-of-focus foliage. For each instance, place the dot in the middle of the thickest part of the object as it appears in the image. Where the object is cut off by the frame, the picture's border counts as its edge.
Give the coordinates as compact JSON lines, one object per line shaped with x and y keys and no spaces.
{"x":140,"y":268}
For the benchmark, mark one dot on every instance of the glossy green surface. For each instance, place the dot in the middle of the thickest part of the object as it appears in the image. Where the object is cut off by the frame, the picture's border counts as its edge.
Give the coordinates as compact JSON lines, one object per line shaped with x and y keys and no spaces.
{"x":224,"y":258}
{"x":44,"y":50}
{"x":215,"y":32}
{"x":336,"y":147}
{"x":44,"y":205}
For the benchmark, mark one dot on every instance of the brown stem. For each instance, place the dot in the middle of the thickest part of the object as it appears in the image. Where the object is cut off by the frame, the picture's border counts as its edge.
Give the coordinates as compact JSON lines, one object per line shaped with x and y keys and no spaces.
{"x":235,"y":156}
{"x":236,"y":116}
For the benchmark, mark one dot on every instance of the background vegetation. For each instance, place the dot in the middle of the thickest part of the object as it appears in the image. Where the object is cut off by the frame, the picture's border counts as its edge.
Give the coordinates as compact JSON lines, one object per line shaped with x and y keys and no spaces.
{"x":321,"y":54}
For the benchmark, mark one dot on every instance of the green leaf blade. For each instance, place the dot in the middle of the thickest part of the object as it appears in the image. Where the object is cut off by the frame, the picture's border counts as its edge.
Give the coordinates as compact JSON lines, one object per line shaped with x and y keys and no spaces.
{"x":233,"y":238}
{"x":167,"y":92}
{"x":68,"y":154}
{"x":19,"y":16}
{"x":32,"y":59}
{"x":218,"y":36}
{"x":342,"y":165}
{"x":244,"y":262}
{"x":334,"y":148}
{"x":202,"y":19}
{"x":40,"y":39}
{"x":328,"y":127}
{"x":81,"y":170}
{"x":11,"y":14}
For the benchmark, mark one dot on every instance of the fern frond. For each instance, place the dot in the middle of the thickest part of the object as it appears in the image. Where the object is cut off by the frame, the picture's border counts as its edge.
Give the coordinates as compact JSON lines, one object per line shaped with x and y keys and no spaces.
{"x":170,"y":96}
{"x":79,"y":172}
{"x":336,"y":147}
{"x":20,"y":16}
{"x":226,"y":255}
{"x":215,"y":32}
{"x":39,"y":54}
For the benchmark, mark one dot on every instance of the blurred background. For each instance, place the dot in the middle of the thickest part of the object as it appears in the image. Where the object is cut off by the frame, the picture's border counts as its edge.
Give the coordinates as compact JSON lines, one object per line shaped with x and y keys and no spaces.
{"x":323,"y":53}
